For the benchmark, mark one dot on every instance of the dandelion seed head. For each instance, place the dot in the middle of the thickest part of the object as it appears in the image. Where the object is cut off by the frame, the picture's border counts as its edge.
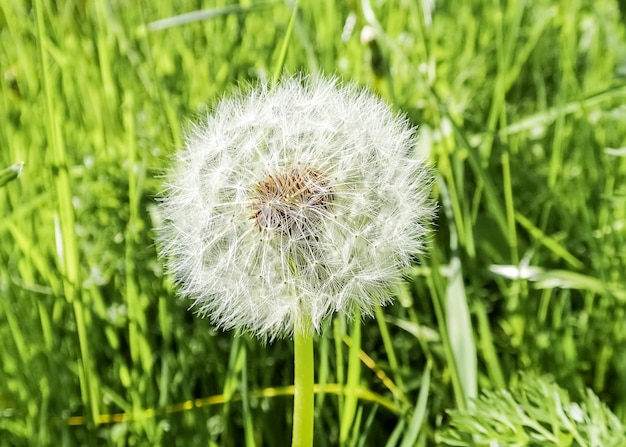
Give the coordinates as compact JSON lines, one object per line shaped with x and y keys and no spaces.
{"x":291,"y":202}
{"x":294,"y":202}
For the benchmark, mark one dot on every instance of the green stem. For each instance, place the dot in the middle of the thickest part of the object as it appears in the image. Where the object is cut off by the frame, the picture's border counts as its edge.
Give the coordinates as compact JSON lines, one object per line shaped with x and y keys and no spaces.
{"x":303,"y":399}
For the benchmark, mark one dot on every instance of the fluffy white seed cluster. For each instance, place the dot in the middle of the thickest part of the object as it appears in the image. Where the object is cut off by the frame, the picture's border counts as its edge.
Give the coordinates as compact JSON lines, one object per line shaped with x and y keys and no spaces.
{"x":292,"y":202}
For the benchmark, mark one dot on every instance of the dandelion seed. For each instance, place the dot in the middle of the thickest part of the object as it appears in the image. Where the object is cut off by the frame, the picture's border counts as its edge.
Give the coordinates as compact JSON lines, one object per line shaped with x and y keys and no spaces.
{"x":294,"y":202}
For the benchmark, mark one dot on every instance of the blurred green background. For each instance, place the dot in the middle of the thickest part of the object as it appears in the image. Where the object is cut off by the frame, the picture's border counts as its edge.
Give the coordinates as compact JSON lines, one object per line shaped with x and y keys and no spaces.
{"x":521,"y":108}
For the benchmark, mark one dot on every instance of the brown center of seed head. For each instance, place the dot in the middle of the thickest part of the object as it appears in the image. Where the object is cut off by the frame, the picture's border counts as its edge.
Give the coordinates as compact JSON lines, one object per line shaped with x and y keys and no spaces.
{"x":291,"y":202}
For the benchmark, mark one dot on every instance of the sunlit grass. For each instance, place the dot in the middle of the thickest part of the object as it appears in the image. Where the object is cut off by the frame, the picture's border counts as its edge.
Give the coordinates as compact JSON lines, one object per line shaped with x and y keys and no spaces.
{"x":521,"y":110}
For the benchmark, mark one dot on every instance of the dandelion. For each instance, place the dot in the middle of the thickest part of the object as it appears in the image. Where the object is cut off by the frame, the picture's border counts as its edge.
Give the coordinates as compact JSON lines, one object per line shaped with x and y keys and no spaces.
{"x":294,"y":202}
{"x":290,"y":203}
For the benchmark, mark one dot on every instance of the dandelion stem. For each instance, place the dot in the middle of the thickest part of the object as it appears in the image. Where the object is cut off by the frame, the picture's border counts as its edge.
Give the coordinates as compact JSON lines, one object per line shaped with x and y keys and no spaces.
{"x":303,"y":400}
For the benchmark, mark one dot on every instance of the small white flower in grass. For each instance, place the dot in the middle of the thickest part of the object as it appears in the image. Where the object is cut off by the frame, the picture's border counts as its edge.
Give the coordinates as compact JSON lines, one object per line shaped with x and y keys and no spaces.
{"x":290,"y":203}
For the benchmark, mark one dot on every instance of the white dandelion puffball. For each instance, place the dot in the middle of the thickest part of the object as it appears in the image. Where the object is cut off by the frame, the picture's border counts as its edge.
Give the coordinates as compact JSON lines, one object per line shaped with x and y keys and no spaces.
{"x":293,"y":202}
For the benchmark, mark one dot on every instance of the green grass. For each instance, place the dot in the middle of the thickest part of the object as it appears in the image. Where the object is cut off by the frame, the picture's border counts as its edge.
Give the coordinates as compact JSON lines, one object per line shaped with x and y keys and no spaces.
{"x":521,"y":109}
